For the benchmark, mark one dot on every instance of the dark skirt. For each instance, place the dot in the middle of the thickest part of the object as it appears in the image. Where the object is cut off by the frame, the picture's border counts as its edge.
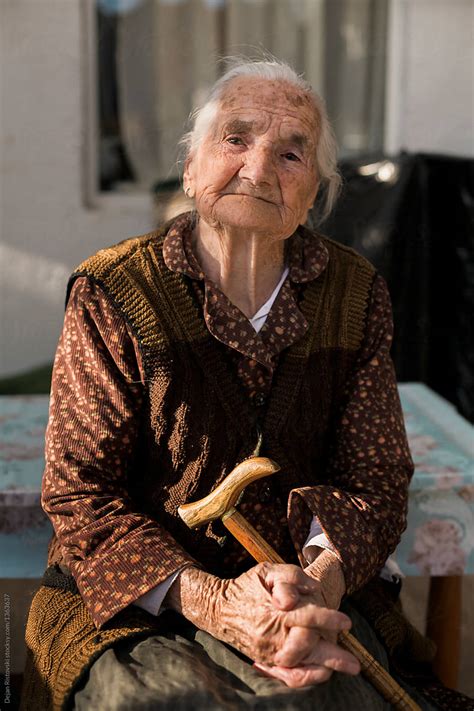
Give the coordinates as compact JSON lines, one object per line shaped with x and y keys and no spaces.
{"x":140,"y":662}
{"x":183,"y":668}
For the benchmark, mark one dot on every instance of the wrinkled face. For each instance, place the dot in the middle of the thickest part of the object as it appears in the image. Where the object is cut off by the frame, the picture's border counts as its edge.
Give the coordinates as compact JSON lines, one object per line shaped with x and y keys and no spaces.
{"x":255,"y":169}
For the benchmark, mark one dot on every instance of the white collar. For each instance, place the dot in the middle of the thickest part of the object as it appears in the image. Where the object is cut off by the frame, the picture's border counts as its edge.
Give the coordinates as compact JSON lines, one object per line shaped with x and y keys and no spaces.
{"x":260,"y":317}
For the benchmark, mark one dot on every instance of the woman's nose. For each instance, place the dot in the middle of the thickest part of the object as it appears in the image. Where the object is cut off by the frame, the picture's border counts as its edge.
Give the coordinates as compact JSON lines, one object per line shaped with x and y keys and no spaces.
{"x":258,"y":166}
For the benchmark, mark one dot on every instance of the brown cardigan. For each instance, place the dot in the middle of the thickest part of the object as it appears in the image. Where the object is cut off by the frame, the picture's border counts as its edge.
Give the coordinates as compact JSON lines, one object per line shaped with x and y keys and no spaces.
{"x":194,"y":423}
{"x":349,"y":463}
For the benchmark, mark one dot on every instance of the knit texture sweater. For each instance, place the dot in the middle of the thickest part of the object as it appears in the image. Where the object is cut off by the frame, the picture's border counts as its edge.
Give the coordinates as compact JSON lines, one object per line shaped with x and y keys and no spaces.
{"x":196,"y":423}
{"x":199,"y":426}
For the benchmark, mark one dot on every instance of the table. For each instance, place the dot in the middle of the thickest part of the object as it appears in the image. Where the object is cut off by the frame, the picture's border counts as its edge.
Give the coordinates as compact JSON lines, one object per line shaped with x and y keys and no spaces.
{"x":439,"y":538}
{"x":438,"y":541}
{"x":24,"y":527}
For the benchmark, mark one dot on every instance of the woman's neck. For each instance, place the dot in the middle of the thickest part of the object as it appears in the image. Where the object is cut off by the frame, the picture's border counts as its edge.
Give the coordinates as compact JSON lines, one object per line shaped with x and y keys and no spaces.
{"x":245,"y":266}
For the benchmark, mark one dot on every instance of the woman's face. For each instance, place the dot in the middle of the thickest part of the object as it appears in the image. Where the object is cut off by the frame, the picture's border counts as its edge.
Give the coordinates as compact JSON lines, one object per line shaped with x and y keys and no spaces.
{"x":255,"y":169}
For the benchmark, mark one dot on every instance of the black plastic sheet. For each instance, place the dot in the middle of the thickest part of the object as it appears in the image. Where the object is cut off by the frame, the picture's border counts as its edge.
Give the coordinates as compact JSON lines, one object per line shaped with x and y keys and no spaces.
{"x":413,"y":217}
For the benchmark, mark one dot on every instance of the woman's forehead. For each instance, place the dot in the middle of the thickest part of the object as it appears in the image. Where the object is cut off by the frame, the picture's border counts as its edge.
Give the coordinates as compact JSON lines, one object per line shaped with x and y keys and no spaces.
{"x":247,"y":121}
{"x":250,"y":102}
{"x":249,"y":89}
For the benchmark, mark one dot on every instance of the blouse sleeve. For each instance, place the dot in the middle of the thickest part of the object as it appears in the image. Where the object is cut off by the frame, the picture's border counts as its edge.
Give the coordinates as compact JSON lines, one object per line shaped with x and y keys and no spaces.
{"x":362,"y":505}
{"x":115,"y":552}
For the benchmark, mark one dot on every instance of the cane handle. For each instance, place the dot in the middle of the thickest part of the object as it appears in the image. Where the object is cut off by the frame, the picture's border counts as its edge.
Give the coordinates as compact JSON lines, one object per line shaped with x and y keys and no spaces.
{"x":216,"y":504}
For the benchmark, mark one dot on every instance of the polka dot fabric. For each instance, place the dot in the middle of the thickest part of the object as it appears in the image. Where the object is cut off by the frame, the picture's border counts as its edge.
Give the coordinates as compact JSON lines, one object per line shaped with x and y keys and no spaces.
{"x":91,"y":441}
{"x":98,"y":414}
{"x":370,"y":464}
{"x":255,"y":355}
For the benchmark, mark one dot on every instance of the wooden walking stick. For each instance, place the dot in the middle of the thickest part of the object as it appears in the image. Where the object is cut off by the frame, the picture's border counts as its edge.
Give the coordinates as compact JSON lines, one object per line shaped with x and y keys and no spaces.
{"x":220,"y":504}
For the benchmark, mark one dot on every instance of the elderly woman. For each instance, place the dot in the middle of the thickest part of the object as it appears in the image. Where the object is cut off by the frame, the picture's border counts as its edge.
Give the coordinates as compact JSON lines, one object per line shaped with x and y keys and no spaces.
{"x":232,"y":327}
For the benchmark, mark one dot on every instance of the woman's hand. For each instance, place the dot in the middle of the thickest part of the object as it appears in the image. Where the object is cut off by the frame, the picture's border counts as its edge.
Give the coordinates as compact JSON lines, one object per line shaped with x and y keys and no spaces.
{"x":271,"y":613}
{"x":329,"y":588}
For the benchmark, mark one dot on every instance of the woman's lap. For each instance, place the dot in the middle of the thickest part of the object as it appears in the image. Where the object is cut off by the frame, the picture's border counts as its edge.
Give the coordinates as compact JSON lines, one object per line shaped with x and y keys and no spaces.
{"x":185,"y":668}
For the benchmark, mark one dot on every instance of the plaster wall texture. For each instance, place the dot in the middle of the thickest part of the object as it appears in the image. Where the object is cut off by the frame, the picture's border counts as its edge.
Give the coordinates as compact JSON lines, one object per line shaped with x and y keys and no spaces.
{"x":430,"y":87}
{"x":45,"y":227}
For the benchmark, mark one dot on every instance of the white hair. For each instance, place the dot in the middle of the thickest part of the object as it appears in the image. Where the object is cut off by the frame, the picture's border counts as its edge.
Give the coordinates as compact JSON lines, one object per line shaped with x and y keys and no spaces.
{"x":275,"y":70}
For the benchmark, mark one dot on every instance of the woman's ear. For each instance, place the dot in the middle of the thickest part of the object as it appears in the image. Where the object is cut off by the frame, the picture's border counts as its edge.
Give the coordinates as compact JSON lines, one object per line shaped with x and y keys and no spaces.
{"x":314,"y":195}
{"x":311,"y":202}
{"x":188,"y":186}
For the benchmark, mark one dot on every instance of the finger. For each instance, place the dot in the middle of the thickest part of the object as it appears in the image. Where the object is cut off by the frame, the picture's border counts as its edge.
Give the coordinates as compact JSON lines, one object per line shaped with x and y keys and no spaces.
{"x":333,"y":657}
{"x":285,"y":596}
{"x":298,"y":647}
{"x":330,"y":635}
{"x":311,"y":615}
{"x":296,"y":677}
{"x":292,"y":575}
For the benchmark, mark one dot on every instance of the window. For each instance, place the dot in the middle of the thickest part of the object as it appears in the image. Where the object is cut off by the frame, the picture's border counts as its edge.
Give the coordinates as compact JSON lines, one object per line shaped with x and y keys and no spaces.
{"x":156,"y":59}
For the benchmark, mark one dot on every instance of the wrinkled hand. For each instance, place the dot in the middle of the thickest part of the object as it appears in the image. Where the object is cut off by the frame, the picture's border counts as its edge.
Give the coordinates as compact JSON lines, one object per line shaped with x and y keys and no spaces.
{"x":328,"y":578}
{"x":273,"y":614}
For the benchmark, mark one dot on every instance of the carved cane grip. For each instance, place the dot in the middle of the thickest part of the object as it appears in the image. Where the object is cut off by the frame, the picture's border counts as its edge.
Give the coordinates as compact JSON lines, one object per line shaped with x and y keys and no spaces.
{"x":224,"y":496}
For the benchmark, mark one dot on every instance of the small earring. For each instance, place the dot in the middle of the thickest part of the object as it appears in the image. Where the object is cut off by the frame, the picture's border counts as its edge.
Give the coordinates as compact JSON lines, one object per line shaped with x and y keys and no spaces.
{"x":189,"y":192}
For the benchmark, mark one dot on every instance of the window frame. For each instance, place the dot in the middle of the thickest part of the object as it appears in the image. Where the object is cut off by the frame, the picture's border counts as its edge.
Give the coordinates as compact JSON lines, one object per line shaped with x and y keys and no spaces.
{"x":92,"y":196}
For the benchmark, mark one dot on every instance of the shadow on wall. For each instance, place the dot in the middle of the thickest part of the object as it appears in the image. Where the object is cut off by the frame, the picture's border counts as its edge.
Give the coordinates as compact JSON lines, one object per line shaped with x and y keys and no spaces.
{"x":33,"y":382}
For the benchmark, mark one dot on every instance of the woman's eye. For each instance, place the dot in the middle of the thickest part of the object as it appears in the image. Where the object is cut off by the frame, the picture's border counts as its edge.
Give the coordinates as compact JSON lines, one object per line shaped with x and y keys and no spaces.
{"x":291,"y":156}
{"x":235,"y":140}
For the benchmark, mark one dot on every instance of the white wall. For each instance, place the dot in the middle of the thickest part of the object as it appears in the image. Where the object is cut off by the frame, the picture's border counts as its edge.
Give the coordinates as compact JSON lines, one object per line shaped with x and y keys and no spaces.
{"x":430,"y":87}
{"x":45,"y":229}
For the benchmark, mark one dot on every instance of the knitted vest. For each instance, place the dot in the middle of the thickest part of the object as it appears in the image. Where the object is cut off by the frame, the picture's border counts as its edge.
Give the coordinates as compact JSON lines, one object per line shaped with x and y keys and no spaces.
{"x":201,"y":420}
{"x":201,"y":425}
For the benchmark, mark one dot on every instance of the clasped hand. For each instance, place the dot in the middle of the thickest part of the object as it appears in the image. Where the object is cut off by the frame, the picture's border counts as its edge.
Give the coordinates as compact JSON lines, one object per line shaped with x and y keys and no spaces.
{"x":277,"y":616}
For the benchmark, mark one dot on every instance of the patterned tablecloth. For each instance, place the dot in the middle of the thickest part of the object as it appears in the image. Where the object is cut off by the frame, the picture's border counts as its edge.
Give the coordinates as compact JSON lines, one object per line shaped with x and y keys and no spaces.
{"x":439,"y":539}
{"x":24,"y":528}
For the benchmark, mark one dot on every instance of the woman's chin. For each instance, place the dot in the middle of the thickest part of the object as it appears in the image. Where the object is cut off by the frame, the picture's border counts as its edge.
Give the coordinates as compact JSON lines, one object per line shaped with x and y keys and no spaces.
{"x":243,"y":212}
